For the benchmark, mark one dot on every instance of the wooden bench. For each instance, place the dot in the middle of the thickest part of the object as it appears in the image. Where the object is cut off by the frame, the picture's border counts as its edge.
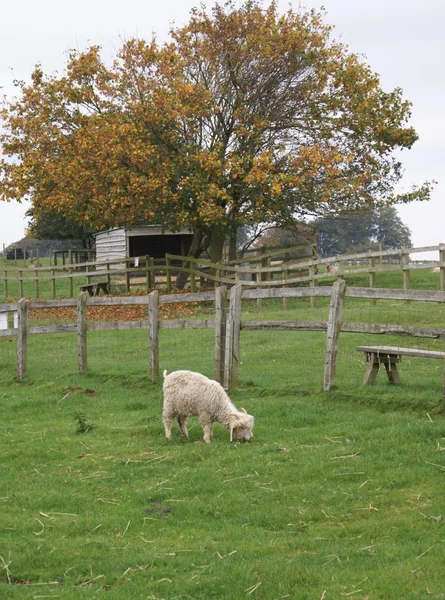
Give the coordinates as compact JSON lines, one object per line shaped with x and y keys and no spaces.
{"x":389,"y":356}
{"x":94,"y":288}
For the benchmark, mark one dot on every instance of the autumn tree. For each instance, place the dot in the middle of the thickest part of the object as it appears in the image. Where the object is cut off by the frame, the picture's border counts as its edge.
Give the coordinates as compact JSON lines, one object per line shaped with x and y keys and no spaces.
{"x":245,"y":116}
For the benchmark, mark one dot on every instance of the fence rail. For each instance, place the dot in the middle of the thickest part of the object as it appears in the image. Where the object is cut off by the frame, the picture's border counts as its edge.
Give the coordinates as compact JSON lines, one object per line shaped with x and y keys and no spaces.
{"x":227,"y":323}
{"x":256,"y":272}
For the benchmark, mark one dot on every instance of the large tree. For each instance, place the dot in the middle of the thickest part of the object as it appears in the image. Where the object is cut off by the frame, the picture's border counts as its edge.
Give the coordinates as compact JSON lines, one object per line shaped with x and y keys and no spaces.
{"x":54,"y":225}
{"x":361,"y":231}
{"x":245,"y":116}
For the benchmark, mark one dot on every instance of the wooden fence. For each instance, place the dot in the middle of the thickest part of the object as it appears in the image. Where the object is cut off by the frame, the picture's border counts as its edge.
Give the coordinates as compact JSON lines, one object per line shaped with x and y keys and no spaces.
{"x":227,"y":323}
{"x":147,"y":273}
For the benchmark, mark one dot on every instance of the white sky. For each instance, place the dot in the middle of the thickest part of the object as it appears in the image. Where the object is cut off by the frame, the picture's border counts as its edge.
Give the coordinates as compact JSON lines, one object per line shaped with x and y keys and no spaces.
{"x":402,"y":40}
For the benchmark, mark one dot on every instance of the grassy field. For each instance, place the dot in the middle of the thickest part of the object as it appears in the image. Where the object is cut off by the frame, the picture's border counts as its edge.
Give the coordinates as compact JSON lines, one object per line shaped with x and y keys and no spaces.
{"x":338,"y":495}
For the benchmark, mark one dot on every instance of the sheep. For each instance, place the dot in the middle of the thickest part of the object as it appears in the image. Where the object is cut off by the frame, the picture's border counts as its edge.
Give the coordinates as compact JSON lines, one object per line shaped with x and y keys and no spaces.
{"x":188,"y":394}
{"x":332,"y":269}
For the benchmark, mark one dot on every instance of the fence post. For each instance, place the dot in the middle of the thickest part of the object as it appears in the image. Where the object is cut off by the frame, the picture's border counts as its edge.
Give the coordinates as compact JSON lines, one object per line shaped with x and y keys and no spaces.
{"x":233,"y":328}
{"x":313,"y":271}
{"x":22,"y":334}
{"x":147,"y":266}
{"x":5,"y":281}
{"x":405,"y":267}
{"x":372,"y":276}
{"x":192,"y":277}
{"x":82,"y":362}
{"x":153,"y":334}
{"x":70,"y":281}
{"x":333,"y":332}
{"x":21,"y":294}
{"x":442,"y":267}
{"x":107,"y":270}
{"x":36,"y":282}
{"x":127,"y":275}
{"x":220,"y":332}
{"x":168,"y":274}
{"x":53,"y":283}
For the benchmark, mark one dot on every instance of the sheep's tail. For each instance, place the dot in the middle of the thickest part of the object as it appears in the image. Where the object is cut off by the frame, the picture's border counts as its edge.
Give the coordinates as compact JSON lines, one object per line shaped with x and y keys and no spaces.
{"x":165,"y":373}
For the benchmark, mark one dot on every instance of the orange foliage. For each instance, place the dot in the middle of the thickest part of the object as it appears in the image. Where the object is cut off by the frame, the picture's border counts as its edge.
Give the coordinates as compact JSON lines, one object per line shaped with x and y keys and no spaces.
{"x":246,"y":116}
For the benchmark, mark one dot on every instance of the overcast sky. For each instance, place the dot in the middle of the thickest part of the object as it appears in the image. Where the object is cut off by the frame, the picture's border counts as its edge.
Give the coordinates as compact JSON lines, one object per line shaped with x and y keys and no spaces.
{"x":402,"y":40}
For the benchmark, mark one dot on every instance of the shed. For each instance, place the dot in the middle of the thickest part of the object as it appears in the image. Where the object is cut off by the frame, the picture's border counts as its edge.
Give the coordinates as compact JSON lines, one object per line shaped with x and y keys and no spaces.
{"x":151,"y":240}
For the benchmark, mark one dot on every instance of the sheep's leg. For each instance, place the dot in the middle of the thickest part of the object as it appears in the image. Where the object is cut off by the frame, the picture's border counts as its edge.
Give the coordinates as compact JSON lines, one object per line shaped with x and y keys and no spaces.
{"x":208,"y":431}
{"x":183,"y":426}
{"x":167,"y":426}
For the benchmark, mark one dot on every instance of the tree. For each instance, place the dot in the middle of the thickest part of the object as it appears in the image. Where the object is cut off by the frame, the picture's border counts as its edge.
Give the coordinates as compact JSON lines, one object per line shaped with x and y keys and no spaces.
{"x":361,"y":231}
{"x":246,"y":116}
{"x":53,"y":225}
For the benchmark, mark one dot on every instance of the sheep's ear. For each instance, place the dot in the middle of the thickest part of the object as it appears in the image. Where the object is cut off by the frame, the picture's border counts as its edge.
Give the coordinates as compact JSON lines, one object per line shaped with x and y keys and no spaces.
{"x":244,"y":411}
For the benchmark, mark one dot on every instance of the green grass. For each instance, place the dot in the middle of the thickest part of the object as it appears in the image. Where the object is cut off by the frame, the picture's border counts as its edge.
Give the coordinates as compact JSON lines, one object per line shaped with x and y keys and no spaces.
{"x":339,"y":495}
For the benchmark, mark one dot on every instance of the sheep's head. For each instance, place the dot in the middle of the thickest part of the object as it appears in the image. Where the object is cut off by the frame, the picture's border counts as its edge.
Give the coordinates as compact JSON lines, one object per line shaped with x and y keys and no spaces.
{"x":241,"y":426}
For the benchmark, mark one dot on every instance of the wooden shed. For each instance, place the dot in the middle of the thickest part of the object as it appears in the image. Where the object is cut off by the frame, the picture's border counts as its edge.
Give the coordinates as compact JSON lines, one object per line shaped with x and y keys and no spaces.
{"x":119,"y":243}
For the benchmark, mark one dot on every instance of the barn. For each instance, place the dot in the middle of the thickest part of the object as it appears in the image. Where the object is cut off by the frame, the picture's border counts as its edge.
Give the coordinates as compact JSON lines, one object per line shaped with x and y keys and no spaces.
{"x":151,"y":240}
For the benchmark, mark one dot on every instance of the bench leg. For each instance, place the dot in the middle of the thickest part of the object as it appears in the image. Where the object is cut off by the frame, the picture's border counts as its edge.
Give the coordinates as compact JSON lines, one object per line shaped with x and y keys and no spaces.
{"x":371,"y":372}
{"x":391,"y":371}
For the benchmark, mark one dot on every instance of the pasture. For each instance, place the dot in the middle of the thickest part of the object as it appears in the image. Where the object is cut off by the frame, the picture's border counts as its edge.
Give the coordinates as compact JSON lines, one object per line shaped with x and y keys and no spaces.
{"x":339,"y":495}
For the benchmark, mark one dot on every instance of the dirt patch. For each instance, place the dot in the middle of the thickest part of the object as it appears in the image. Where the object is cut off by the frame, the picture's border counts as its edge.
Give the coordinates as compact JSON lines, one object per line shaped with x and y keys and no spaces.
{"x":156,"y":506}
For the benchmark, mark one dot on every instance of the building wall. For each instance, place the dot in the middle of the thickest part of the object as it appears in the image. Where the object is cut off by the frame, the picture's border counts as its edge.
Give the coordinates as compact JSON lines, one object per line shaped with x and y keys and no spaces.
{"x":111,"y":244}
{"x":121,"y":243}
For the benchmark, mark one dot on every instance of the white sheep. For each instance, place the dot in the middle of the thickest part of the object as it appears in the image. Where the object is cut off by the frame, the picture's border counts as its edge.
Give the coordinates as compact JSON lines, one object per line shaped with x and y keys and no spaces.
{"x":332,"y":269}
{"x":189,"y":394}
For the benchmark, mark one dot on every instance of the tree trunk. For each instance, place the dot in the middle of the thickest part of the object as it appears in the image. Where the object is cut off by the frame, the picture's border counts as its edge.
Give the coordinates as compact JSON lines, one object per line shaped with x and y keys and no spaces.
{"x":217,"y":238}
{"x":196,"y":249}
{"x":232,"y":243}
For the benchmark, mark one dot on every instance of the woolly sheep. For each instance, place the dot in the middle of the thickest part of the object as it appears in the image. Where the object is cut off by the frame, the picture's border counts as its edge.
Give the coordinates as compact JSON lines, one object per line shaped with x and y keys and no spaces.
{"x":189,"y":394}
{"x":332,"y":269}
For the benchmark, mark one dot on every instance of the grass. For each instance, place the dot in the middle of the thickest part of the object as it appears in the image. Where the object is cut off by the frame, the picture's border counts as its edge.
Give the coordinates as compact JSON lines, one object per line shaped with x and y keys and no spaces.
{"x":339,"y":495}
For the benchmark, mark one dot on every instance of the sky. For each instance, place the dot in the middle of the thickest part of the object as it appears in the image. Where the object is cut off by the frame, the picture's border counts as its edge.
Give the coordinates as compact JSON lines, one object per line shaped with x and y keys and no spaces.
{"x":402,"y":40}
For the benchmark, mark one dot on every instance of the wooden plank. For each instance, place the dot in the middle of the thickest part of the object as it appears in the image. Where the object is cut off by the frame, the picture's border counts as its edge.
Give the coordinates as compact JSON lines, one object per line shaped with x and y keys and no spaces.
{"x":375,"y":328}
{"x":65,"y":328}
{"x":153,"y":334}
{"x":8,"y":307}
{"x":117,"y":325}
{"x":333,"y":332}
{"x":371,"y":372}
{"x":22,"y":331}
{"x":220,"y":332}
{"x":388,"y":294}
{"x":286,"y":292}
{"x":8,"y":332}
{"x":182,"y":298}
{"x":284,"y":326}
{"x":187,"y":324}
{"x":396,"y":350}
{"x":118,"y":301}
{"x":57,"y":303}
{"x":82,"y":332}
{"x":233,"y":338}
